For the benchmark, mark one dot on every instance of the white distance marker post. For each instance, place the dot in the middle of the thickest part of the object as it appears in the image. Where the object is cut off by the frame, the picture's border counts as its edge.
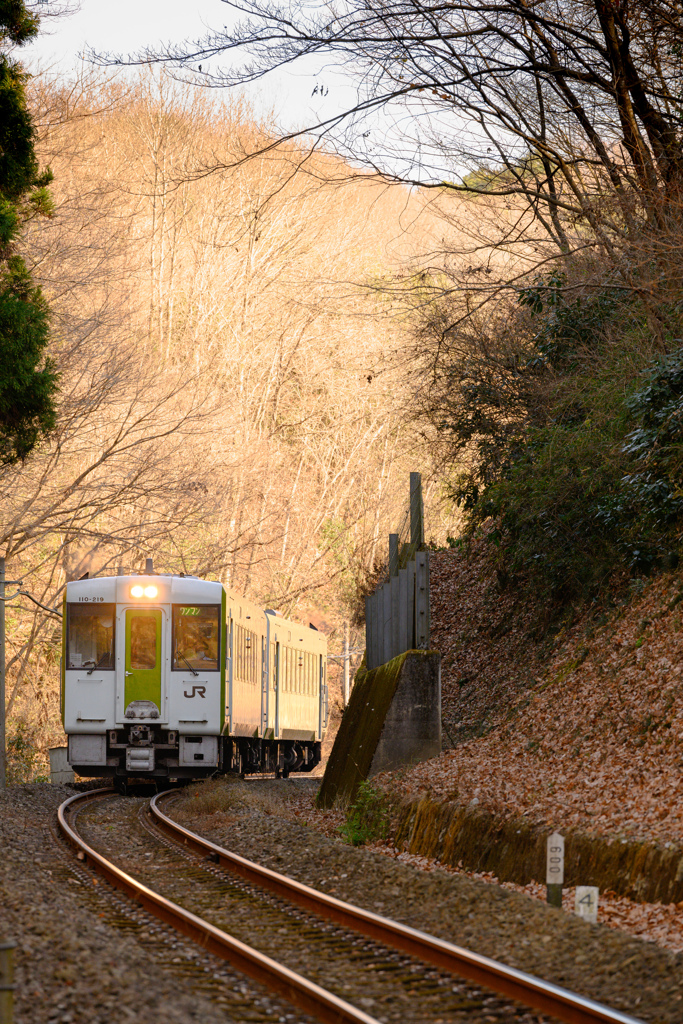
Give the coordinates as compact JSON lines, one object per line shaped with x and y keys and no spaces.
{"x":586,"y":905}
{"x":554,"y":877}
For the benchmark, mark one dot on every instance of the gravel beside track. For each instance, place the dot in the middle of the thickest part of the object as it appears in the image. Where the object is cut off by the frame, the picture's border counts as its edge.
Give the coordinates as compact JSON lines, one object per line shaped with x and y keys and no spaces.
{"x":86,"y":955}
{"x":389,"y":985}
{"x":633,"y":976}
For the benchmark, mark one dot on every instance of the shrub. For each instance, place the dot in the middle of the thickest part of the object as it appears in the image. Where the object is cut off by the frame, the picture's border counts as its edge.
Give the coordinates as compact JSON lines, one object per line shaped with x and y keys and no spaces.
{"x":368,"y":818}
{"x":25,"y":762}
{"x":574,"y":445}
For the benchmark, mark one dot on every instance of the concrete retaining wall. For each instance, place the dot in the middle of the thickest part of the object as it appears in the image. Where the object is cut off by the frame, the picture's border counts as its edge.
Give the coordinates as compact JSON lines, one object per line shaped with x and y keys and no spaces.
{"x":515,"y":851}
{"x":393,"y":718}
{"x":412,"y":726}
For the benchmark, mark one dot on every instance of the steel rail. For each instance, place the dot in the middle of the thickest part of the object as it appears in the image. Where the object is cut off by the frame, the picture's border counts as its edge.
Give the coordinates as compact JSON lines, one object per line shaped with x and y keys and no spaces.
{"x":508,"y":981}
{"x":296,"y":989}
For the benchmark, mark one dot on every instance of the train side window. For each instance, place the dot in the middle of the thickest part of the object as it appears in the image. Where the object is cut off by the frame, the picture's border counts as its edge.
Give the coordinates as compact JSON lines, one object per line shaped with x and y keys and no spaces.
{"x":90,"y":635}
{"x":196,"y":637}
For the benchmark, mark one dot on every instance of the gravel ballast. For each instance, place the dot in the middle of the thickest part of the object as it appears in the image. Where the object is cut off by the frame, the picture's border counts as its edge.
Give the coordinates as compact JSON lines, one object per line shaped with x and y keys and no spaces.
{"x":73,"y":966}
{"x":634,"y":976}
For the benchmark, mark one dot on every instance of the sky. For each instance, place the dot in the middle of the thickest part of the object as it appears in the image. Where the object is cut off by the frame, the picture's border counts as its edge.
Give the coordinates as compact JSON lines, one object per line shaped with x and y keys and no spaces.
{"x":127,"y":26}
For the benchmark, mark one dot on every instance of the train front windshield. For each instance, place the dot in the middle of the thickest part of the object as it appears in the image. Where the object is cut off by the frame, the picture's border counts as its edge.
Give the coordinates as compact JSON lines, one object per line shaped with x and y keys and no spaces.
{"x":90,"y":635}
{"x":196,"y":637}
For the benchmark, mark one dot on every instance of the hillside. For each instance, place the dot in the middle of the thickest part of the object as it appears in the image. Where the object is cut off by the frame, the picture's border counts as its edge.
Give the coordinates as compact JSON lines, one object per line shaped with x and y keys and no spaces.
{"x":583,"y":731}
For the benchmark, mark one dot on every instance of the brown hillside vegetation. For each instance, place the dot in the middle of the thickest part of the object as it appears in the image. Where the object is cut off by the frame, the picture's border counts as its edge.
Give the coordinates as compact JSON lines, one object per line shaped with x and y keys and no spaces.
{"x":588,"y":734}
{"x":228,"y":401}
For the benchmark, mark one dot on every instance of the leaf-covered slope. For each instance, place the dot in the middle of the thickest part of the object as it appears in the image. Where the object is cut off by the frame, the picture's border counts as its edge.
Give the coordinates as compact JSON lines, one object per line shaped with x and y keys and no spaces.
{"x":589,"y":736}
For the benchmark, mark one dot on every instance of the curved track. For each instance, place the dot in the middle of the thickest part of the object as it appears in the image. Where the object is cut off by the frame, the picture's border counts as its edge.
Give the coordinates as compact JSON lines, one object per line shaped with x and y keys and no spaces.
{"x":296,"y":989}
{"x":507,"y":981}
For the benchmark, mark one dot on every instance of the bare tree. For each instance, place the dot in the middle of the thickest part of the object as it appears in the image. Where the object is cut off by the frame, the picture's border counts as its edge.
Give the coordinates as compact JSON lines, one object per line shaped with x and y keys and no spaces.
{"x":228,"y":403}
{"x":567,"y":112}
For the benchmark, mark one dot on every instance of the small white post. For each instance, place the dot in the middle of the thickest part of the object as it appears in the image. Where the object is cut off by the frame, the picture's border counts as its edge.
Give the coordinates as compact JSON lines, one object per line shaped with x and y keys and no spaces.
{"x":586,"y":902}
{"x":554,"y":877}
{"x":347,"y":658}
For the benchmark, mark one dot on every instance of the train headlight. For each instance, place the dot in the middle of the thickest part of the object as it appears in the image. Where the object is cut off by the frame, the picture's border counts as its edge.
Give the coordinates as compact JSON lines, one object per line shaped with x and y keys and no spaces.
{"x":136,"y":591}
{"x":151,"y":591}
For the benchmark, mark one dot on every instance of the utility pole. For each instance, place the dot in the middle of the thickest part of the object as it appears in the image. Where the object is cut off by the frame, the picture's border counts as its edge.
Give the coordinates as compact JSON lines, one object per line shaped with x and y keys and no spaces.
{"x":347,"y":658}
{"x":3,"y":731}
{"x":3,"y":756}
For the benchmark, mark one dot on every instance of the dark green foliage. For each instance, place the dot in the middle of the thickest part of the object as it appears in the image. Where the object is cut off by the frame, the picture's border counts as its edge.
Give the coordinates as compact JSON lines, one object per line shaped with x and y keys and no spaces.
{"x":26,"y":387}
{"x":567,"y":330}
{"x":588,"y":483}
{"x":24,"y":760}
{"x":17,"y":25}
{"x":28,"y":381}
{"x":368,"y":818}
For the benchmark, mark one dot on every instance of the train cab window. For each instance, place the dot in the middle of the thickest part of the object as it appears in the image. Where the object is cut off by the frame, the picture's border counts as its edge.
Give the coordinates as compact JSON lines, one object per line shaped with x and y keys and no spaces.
{"x":90,"y":636}
{"x":196,"y":637}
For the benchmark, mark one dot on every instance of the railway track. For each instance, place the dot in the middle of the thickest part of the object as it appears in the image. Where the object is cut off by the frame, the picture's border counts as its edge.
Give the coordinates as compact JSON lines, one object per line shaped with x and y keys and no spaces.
{"x":437,"y":998}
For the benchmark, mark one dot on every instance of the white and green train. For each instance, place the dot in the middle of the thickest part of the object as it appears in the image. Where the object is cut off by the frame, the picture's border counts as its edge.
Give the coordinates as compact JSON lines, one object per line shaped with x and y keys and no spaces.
{"x":176,"y":677}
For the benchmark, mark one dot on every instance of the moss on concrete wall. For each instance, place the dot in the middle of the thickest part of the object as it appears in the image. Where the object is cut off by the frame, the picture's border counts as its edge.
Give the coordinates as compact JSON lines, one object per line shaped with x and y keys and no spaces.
{"x":359,"y":731}
{"x":516,"y":851}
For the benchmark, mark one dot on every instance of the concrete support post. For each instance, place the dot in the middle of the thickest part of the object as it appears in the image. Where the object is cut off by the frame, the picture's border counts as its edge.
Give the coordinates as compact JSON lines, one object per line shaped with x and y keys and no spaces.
{"x":386,"y":621}
{"x":417,"y":531}
{"x":395,"y":614}
{"x":393,"y":554}
{"x":411,"y":607}
{"x":376,"y":658}
{"x":368,"y":631}
{"x":403,"y":612}
{"x":422,"y":600}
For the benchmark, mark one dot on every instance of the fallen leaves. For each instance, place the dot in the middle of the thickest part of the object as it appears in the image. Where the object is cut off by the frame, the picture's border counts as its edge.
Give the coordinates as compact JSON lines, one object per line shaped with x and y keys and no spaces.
{"x":587,"y":735}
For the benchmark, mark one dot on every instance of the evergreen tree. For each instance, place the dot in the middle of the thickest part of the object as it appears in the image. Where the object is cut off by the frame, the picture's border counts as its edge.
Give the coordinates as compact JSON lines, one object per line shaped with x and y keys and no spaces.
{"x":28,"y":381}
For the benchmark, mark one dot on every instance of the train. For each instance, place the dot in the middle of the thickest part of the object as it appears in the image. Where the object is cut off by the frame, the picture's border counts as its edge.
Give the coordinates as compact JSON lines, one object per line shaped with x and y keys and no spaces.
{"x":173,"y":677}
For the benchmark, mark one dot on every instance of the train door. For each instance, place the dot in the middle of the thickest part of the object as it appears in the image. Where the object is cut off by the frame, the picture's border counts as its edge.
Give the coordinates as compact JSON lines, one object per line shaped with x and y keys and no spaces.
{"x":276,"y":687}
{"x":143,"y":662}
{"x":322,"y":704}
{"x":229,"y":664}
{"x":265,"y":686}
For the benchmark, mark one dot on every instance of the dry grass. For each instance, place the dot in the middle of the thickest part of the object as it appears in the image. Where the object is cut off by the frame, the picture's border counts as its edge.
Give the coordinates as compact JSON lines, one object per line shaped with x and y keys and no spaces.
{"x":230,"y":794}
